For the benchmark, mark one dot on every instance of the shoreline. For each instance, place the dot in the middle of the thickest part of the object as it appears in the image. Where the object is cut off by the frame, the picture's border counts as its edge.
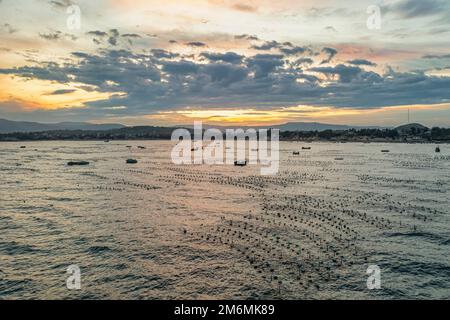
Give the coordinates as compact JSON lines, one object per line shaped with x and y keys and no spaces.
{"x":281,"y":140}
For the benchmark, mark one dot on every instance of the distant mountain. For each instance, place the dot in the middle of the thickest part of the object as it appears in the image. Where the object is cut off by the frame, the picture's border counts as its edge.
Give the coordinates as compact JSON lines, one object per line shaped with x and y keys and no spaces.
{"x":316,"y":126}
{"x":8,"y":126}
{"x":293,"y":126}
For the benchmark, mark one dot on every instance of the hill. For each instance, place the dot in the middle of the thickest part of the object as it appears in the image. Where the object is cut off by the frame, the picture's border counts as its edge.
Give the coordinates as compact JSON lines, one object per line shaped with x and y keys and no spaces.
{"x":8,"y":126}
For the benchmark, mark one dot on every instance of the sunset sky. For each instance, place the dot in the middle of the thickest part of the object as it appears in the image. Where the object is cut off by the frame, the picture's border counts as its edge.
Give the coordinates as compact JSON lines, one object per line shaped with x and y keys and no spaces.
{"x":225,"y":62}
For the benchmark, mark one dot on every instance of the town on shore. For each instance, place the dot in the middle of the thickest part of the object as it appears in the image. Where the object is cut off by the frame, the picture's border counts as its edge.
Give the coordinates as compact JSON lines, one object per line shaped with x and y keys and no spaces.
{"x":411,"y":133}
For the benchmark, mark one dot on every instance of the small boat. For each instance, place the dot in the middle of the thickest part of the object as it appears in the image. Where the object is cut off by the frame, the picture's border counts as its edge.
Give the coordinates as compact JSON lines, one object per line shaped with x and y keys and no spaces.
{"x":296,"y":153}
{"x":339,"y":158}
{"x":106,"y":140}
{"x":437,"y":149}
{"x":22,"y":147}
{"x":131,"y":161}
{"x":385,"y":150}
{"x":141,"y":147}
{"x":240,"y":163}
{"x":77,"y":163}
{"x":306,"y":148}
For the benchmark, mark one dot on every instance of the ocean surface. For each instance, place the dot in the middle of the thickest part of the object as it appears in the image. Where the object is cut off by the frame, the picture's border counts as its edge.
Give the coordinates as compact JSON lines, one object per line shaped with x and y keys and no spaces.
{"x":155,"y":230}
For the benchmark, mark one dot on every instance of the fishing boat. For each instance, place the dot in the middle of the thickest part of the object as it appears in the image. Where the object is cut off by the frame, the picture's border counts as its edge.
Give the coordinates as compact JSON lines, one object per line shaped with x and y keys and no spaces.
{"x":296,"y":153}
{"x":77,"y":163}
{"x":131,"y":161}
{"x":437,"y":149}
{"x":240,"y":163}
{"x":306,"y":148}
{"x":385,"y":150}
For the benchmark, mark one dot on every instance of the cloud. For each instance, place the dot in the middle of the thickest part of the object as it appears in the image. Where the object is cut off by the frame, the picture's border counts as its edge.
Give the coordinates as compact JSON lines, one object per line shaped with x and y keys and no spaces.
{"x":362,"y":62}
{"x":9,"y":28}
{"x":436,"y":56}
{"x":417,"y":8}
{"x":244,"y":7}
{"x":303,"y":61}
{"x":61,"y":4}
{"x":230,"y":57}
{"x":286,"y":48}
{"x":160,"y":80}
{"x":131,"y":35}
{"x":331,"y":52}
{"x":160,"y":54}
{"x":196,"y":44}
{"x":268,"y":45}
{"x":246,"y":37}
{"x":97,"y":33}
{"x":62,"y":91}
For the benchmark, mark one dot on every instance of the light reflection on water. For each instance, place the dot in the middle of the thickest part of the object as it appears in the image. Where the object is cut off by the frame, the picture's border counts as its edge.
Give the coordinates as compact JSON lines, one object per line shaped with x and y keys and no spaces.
{"x":156,"y":230}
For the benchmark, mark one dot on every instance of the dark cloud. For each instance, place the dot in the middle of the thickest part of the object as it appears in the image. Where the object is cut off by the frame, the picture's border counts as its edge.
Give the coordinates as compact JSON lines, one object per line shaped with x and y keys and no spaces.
{"x":230,"y":57}
{"x":145,"y":83}
{"x":303,"y":61}
{"x":196,"y":44}
{"x":264,"y":64}
{"x":62,"y":91}
{"x":294,"y":50}
{"x":97,"y":33}
{"x":362,"y":62}
{"x":160,"y":53}
{"x":346,"y":73}
{"x":268,"y":45}
{"x":113,"y":35}
{"x":331,"y":52}
{"x":180,"y":67}
{"x":131,"y":35}
{"x":286,"y":48}
{"x":246,"y":37}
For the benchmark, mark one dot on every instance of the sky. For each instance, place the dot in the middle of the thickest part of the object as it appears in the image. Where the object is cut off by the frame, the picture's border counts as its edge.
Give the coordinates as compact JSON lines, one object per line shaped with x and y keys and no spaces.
{"x":226,"y":62}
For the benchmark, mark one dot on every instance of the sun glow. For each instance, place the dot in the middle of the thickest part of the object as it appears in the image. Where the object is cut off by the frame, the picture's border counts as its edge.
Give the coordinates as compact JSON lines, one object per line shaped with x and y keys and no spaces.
{"x":40,"y":94}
